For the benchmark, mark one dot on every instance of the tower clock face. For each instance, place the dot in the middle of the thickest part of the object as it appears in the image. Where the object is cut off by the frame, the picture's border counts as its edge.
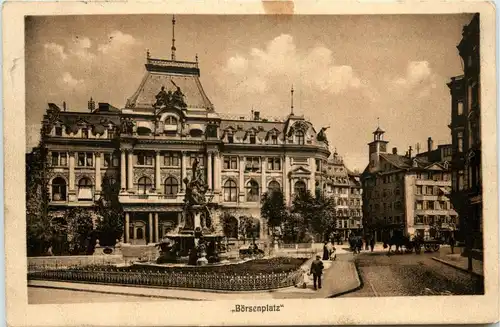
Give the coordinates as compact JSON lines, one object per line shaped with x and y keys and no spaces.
{"x":382,"y":147}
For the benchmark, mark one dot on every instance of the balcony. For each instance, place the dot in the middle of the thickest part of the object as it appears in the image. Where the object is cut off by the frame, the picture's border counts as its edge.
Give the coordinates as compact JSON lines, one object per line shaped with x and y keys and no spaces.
{"x":151,"y":198}
{"x":432,"y":182}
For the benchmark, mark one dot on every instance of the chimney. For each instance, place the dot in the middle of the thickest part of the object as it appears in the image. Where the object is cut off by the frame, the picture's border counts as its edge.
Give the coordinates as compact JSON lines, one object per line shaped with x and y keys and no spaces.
{"x":256,"y":115}
{"x":430,"y":144}
{"x":409,"y":152}
{"x":64,"y":105}
{"x":394,"y":150}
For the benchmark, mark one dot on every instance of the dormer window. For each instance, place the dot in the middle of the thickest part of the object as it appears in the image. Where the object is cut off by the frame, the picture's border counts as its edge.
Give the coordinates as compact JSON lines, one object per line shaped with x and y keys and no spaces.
{"x":111,"y":133}
{"x":252,"y":139}
{"x":170,"y":120}
{"x":300,"y":137}
{"x":230,"y":138}
{"x":274,"y":139}
{"x":85,"y":133}
{"x":58,"y":131}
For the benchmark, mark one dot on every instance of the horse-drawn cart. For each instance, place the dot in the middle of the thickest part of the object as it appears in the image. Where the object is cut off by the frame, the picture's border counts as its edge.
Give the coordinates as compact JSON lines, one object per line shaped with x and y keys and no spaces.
{"x":404,"y":242}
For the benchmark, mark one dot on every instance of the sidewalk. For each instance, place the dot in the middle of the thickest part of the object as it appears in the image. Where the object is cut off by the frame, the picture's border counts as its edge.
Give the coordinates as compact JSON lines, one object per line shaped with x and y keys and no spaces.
{"x":457,"y":261}
{"x":340,"y":277}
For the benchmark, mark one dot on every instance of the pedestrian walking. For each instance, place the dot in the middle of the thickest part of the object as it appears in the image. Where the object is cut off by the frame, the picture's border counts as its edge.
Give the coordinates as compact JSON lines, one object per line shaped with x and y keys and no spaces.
{"x":333,"y":253}
{"x":452,"y":243}
{"x":372,"y":244}
{"x":326,"y":255}
{"x":317,"y":271}
{"x":360,"y":244}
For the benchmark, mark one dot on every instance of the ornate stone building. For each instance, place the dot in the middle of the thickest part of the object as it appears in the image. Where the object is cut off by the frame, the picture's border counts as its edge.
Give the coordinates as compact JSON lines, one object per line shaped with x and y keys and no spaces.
{"x":407,"y":194}
{"x":148,"y":148}
{"x":465,"y":129}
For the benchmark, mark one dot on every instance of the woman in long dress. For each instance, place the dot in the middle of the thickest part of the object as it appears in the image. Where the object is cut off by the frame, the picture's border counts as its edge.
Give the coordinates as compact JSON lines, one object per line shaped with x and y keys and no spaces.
{"x":326,"y":254}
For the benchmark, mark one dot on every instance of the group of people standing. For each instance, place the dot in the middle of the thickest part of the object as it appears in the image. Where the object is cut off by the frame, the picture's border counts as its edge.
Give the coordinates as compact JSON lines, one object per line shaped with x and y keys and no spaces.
{"x":356,"y":243}
{"x":329,"y":251}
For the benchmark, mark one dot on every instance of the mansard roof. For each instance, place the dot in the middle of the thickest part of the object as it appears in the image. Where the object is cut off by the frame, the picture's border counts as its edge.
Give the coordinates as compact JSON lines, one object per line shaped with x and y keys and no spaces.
{"x":169,"y":74}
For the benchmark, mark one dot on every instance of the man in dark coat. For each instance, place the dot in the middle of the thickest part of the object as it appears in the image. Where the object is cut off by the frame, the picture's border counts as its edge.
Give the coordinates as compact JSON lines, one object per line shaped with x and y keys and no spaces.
{"x":317,"y":271}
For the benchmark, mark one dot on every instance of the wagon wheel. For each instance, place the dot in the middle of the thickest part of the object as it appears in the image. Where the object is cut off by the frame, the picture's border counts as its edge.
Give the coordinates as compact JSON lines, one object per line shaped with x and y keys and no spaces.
{"x":435,"y":247}
{"x":427,"y":247}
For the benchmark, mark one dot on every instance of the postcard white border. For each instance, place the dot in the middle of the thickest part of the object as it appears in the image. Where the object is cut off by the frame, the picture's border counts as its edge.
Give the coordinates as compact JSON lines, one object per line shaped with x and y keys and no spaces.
{"x":395,"y":310}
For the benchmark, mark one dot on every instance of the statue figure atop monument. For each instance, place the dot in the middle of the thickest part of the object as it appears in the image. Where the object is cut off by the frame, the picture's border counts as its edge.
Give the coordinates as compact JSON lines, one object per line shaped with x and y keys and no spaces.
{"x":196,"y":188}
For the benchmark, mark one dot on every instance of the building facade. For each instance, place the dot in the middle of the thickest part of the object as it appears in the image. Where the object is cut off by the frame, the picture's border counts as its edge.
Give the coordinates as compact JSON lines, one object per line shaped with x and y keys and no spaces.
{"x":345,"y":187}
{"x":407,"y":194}
{"x":147,"y":149}
{"x":465,"y":129}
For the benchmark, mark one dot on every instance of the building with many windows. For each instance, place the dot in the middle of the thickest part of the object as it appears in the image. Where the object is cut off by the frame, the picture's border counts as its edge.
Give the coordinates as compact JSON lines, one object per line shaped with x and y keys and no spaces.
{"x":407,"y":194}
{"x":465,"y":129}
{"x":345,"y":187}
{"x":147,"y":149}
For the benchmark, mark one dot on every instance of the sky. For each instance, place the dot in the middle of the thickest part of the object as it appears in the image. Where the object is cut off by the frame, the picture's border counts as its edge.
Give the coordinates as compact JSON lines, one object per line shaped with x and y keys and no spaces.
{"x":346,"y":71}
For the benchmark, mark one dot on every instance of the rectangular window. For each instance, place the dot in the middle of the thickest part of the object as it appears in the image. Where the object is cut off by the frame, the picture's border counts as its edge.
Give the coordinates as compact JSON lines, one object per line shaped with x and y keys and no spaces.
{"x":252,"y":164}
{"x":58,"y":131}
{"x":460,"y":108}
{"x":274,"y":139}
{"x":419,"y":189}
{"x":107,"y":159}
{"x":461,"y":185}
{"x":419,"y":205}
{"x":460,"y":141}
{"x":231,"y":162}
{"x":201,"y":159}
{"x":85,"y":159}
{"x":274,"y":164}
{"x":59,"y":159}
{"x":144,"y":159}
{"x":252,"y":139}
{"x":318,"y":165}
{"x":171,"y":159}
{"x":431,"y":205}
{"x":111,"y":133}
{"x":230,"y":138}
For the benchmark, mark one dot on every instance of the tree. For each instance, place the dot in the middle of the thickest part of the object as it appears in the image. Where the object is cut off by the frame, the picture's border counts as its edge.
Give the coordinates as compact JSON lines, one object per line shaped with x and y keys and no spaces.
{"x":293,"y":231}
{"x":229,"y":227}
{"x":80,"y":231}
{"x":273,"y":209}
{"x":249,"y":227}
{"x":39,"y":229}
{"x":110,"y":212}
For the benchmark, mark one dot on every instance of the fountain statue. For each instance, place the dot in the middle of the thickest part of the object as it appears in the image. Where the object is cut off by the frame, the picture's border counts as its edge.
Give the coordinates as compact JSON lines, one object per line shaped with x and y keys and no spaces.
{"x":194,"y":235}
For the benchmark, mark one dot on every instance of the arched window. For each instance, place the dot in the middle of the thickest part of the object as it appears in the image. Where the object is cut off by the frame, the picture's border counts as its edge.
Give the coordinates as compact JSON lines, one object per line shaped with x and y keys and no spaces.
{"x":170,"y":120}
{"x":300,"y":137}
{"x":252,"y":191}
{"x":299,"y":187}
{"x":140,"y":233}
{"x":144,"y":185}
{"x":274,"y":186}
{"x":58,"y":189}
{"x":230,"y":191}
{"x":85,"y":189}
{"x":171,"y":186}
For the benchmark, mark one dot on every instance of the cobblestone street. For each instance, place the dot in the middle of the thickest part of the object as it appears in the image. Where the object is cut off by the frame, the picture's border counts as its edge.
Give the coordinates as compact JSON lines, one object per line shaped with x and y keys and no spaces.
{"x":411,"y":275}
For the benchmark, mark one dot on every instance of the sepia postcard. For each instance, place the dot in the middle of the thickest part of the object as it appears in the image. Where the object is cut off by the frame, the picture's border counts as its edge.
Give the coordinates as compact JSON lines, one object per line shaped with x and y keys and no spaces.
{"x":250,"y":163}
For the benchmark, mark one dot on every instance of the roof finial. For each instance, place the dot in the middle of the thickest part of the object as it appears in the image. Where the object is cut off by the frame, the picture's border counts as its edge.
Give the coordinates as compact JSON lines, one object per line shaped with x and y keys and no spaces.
{"x":173,"y":37}
{"x":148,"y":55}
{"x":291,"y":107}
{"x":196,"y":57}
{"x":378,"y":122}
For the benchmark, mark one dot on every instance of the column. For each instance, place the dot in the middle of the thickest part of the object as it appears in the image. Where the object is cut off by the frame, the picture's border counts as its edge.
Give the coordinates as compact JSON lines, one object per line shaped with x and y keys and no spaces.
{"x":263,"y":182}
{"x":209,"y":171}
{"x":157,"y":172}
{"x":123,"y":170}
{"x":217,"y":170}
{"x":183,"y":169}
{"x":150,"y":227}
{"x":312,"y":181}
{"x":286,"y":182}
{"x":130,"y":170}
{"x":71,"y":172}
{"x":157,"y":234}
{"x":241,"y":176}
{"x":98,"y":182}
{"x":127,"y":227}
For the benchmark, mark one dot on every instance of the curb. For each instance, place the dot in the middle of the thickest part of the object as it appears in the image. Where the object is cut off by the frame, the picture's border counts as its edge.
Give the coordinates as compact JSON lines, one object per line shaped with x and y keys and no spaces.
{"x":117,"y":293}
{"x":456,"y":267}
{"x":357,"y":288}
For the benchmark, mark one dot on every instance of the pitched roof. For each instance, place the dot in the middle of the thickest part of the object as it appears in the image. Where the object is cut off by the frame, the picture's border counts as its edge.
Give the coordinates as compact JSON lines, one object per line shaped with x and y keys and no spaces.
{"x":169,"y":73}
